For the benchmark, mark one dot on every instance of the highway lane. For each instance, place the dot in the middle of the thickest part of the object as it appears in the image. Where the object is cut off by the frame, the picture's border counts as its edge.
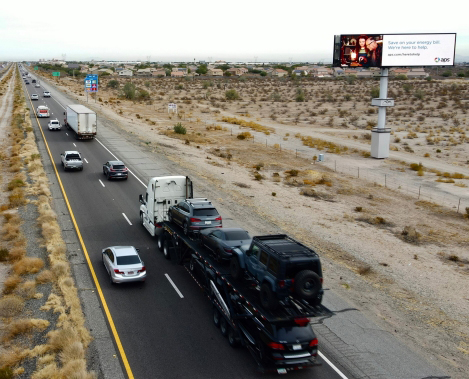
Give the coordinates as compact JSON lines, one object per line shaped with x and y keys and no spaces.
{"x":162,"y":334}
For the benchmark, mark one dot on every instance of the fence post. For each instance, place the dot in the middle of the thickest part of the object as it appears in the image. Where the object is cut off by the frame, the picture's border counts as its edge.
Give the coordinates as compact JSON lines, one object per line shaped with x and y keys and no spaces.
{"x":385,"y":181}
{"x":296,"y":153}
{"x":335,"y":166}
{"x":358,"y":172}
{"x":459,"y":204}
{"x":266,"y":142}
{"x":419,"y":191}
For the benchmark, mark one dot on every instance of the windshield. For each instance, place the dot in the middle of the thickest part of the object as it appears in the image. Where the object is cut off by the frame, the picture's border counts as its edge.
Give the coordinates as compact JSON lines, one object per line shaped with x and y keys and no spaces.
{"x":128,"y":260}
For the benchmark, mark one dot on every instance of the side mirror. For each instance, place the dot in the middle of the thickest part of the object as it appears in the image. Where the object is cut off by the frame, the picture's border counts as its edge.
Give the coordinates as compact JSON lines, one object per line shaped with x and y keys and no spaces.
{"x":65,"y":113}
{"x":140,"y":198}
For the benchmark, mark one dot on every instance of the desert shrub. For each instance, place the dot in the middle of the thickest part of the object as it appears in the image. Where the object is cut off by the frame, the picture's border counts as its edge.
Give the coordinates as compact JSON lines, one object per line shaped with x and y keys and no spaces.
{"x":300,"y":95}
{"x":28,"y":265}
{"x":6,"y":373}
{"x":129,"y":91}
{"x":292,"y":172}
{"x":179,"y":129}
{"x":142,"y":94}
{"x":358,"y":209}
{"x":364,"y":269}
{"x":10,"y":284}
{"x":409,"y":234}
{"x":401,"y":77}
{"x":416,"y":166}
{"x":374,"y":92}
{"x":244,"y":135}
{"x":446,"y":74}
{"x":231,"y":94}
{"x":113,"y":83}
{"x":258,"y":176}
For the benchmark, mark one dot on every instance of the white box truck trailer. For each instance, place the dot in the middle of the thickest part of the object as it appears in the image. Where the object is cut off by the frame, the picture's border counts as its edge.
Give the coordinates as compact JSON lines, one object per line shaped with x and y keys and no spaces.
{"x":81,"y":120}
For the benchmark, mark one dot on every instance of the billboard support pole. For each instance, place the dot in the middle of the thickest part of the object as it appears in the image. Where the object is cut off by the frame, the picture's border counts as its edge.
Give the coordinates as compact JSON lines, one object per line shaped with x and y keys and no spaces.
{"x":381,"y":136}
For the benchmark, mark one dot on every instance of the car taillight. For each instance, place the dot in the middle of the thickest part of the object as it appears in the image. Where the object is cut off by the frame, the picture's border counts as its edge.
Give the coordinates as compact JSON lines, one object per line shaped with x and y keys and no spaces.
{"x":276,"y":346}
{"x":192,"y":219}
{"x":228,"y":250}
{"x":303,"y":321}
{"x":281,"y":283}
{"x":218,"y":219}
{"x":111,"y":169}
{"x":118,"y":272}
{"x":321,"y":280}
{"x":126,"y":169}
{"x":143,"y":269}
{"x":313,"y":343}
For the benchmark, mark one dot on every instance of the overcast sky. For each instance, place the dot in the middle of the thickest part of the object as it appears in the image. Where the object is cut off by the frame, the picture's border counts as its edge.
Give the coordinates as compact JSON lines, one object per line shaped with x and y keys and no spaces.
{"x":238,"y":30}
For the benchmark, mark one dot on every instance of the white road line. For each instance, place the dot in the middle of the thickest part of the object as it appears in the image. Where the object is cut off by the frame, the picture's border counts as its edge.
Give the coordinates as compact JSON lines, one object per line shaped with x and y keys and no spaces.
{"x":117,"y":159}
{"x":174,"y":286}
{"x":66,"y":133}
{"x":85,"y":160}
{"x":74,"y":144}
{"x":332,"y":365}
{"x":123,"y":214}
{"x":101,"y":183}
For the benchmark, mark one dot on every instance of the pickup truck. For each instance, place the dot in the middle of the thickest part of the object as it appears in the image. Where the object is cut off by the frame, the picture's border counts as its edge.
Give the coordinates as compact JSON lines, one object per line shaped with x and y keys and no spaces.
{"x":71,"y":160}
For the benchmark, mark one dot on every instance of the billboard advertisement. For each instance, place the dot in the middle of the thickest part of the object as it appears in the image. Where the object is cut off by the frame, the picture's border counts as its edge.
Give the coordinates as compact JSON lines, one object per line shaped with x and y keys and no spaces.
{"x":394,"y":50}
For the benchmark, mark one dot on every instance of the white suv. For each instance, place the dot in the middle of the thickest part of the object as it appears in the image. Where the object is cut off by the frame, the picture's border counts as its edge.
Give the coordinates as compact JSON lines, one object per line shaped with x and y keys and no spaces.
{"x":54,"y":125}
{"x":46,"y":94}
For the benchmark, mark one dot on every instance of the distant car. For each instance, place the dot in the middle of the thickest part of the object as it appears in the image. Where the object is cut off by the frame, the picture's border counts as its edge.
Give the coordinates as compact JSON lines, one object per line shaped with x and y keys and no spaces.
{"x":194,"y":215}
{"x":115,"y":170}
{"x":222,"y":241}
{"x":46,"y":94}
{"x":26,"y":82}
{"x":37,"y":85}
{"x":123,"y":264}
{"x":33,"y":81}
{"x":54,"y":124}
{"x":34,"y":96}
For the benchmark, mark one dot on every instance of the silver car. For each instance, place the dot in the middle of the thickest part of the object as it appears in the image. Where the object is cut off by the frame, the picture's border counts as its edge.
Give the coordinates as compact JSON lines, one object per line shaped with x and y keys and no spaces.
{"x":123,"y":264}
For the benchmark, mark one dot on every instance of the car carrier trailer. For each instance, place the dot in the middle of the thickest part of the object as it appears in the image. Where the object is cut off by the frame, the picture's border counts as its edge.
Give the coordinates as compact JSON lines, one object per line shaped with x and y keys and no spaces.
{"x":280,"y":340}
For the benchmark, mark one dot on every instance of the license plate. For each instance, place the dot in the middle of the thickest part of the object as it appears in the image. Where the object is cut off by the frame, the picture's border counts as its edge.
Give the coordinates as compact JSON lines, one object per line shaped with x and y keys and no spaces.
{"x":296,"y":347}
{"x":130,"y":272}
{"x":208,"y":222}
{"x":281,"y":370}
{"x":119,"y":174}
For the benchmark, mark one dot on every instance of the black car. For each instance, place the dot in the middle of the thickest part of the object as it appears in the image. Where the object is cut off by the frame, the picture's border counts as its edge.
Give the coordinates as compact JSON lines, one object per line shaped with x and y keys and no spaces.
{"x":115,"y":170}
{"x":222,"y":241}
{"x":26,"y":82}
{"x":194,"y":215}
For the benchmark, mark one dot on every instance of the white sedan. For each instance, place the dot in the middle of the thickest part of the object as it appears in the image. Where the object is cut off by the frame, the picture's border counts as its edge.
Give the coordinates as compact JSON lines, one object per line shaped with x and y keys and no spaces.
{"x":123,"y":264}
{"x":34,"y":96}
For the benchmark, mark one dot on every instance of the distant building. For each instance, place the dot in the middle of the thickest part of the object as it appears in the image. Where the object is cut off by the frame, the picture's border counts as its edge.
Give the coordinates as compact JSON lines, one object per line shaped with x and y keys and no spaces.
{"x":215,"y":72}
{"x":178,"y":74}
{"x":125,"y":72}
{"x":158,"y":73}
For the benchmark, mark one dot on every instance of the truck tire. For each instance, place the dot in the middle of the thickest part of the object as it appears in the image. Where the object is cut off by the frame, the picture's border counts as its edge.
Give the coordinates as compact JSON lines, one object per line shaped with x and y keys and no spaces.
{"x":141,"y":219}
{"x":233,"y":339}
{"x":235,"y":268}
{"x":307,"y":285}
{"x":268,"y":298}
{"x":185,"y":228}
{"x":224,"y":326}
{"x":167,"y":249}
{"x":161,"y":242}
{"x":216,"y":317}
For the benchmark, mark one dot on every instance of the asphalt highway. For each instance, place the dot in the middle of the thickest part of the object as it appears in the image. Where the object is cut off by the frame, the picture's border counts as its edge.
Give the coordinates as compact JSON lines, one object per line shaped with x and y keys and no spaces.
{"x":166,"y":330}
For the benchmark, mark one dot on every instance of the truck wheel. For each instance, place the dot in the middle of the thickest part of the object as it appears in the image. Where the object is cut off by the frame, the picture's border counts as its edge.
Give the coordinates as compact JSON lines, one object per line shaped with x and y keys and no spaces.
{"x":233,"y":339}
{"x":141,"y":218}
{"x":160,"y":242}
{"x":224,"y":326}
{"x":167,"y":249}
{"x":185,"y":228}
{"x":307,"y":284}
{"x":268,"y":299}
{"x":216,"y":317}
{"x":235,"y":268}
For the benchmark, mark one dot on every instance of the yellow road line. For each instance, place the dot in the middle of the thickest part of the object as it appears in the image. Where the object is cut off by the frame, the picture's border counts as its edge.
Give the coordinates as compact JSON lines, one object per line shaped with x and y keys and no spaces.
{"x":93,"y":274}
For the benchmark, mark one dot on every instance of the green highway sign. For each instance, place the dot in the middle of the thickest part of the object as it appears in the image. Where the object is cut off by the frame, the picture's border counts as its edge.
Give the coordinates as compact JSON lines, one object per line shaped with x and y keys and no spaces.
{"x":56,"y":73}
{"x":36,"y":68}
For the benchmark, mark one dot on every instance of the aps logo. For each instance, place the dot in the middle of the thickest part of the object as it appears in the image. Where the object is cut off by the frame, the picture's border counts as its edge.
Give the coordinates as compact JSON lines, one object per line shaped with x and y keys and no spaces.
{"x":442,"y":60}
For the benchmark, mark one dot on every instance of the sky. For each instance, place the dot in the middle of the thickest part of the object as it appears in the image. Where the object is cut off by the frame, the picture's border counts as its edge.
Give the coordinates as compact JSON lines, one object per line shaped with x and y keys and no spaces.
{"x":210,"y":30}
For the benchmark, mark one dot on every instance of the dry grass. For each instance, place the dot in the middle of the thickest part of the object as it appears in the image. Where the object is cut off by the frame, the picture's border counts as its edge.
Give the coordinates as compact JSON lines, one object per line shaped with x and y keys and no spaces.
{"x":44,"y":276}
{"x":28,"y":265}
{"x":10,"y":284}
{"x":11,"y":305}
{"x":24,"y":326}
{"x":409,"y":234}
{"x":26,"y":290}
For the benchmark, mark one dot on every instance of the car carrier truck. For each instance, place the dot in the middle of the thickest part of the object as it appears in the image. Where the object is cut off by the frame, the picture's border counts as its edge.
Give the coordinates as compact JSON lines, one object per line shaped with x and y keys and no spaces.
{"x":81,"y":120}
{"x":280,"y":338}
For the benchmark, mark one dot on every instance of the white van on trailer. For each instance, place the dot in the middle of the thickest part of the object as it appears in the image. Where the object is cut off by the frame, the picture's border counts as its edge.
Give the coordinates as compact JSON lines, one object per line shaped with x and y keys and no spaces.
{"x":161,"y":193}
{"x":42,"y":111}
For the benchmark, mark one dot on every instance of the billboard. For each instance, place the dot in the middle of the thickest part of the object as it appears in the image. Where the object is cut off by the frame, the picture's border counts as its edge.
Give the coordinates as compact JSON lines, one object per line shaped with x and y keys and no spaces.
{"x":91,"y":83}
{"x":394,"y":50}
